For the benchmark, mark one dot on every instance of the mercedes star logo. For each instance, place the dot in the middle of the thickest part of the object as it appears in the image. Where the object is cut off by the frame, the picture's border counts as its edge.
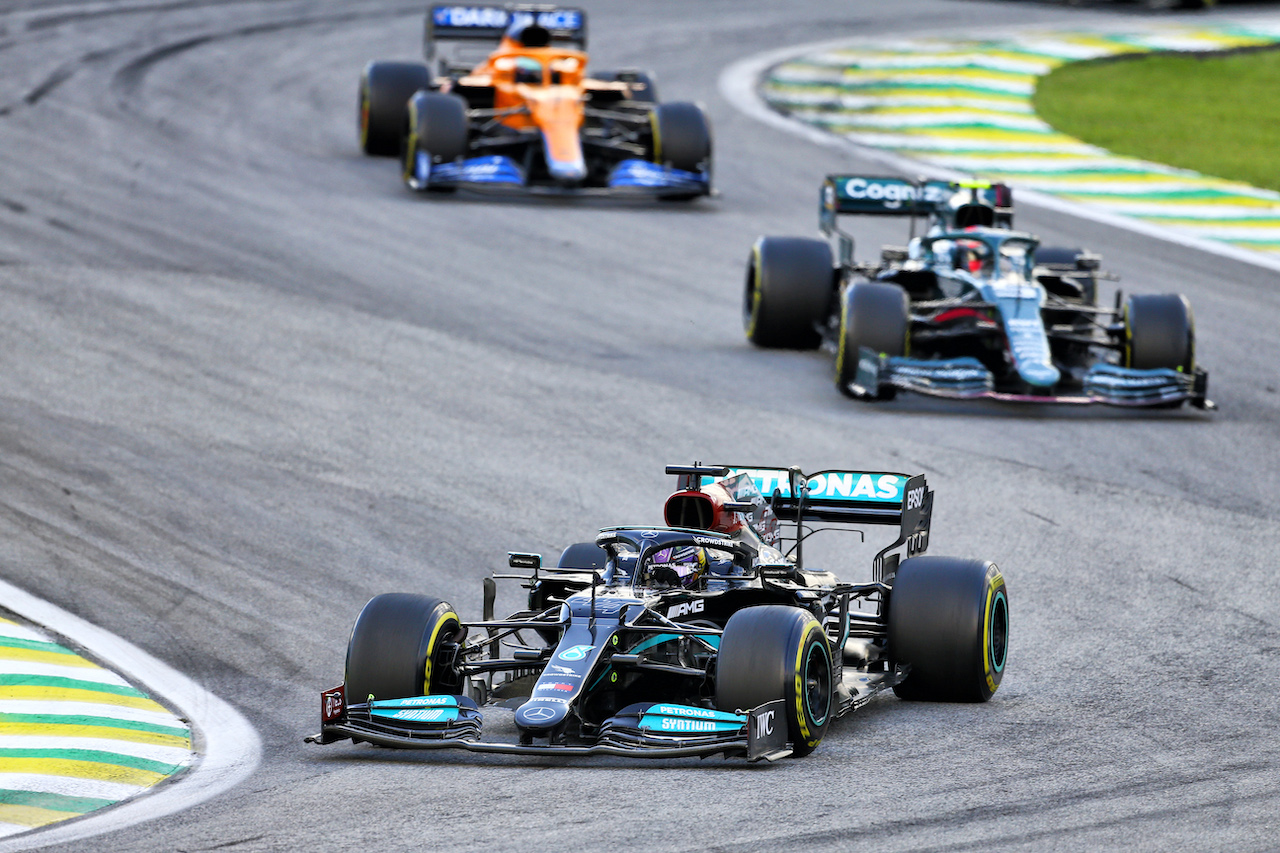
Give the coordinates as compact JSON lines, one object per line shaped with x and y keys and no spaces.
{"x":539,"y":713}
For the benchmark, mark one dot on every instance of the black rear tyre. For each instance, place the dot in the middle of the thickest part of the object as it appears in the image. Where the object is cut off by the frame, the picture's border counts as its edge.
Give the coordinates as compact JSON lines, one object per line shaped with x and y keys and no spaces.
{"x":644,"y":89}
{"x":788,"y":293}
{"x":394,"y":648}
{"x":1085,"y":282}
{"x":875,"y":315}
{"x":385,"y":90}
{"x":773,"y":651}
{"x":1057,"y":255}
{"x":949,"y":620}
{"x":1159,"y":332}
{"x":681,"y":137}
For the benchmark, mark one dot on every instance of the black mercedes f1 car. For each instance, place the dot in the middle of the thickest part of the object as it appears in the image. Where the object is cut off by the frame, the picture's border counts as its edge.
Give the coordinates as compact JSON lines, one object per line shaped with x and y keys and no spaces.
{"x":707,"y":636}
{"x":969,"y":308}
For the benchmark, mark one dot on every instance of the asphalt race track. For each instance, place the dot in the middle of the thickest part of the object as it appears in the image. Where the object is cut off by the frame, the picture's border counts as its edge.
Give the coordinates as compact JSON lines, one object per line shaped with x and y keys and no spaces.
{"x":248,"y":382}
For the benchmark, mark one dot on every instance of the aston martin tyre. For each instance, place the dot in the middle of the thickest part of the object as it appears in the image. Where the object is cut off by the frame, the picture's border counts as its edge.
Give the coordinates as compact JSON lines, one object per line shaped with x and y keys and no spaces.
{"x":385,"y":90}
{"x":775,"y":651}
{"x":789,"y":287}
{"x":394,"y":648}
{"x":1082,"y":284}
{"x":949,"y":622}
{"x":681,"y":136}
{"x":872,"y":315}
{"x":1159,"y":332}
{"x":1058,"y":255}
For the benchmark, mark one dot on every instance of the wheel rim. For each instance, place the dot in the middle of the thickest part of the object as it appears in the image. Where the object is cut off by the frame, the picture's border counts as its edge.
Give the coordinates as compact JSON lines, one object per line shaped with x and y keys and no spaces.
{"x":998,"y":631}
{"x":817,"y":683}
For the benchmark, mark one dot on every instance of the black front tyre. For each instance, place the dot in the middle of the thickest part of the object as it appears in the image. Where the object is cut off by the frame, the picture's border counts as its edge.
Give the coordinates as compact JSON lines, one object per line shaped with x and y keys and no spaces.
{"x":681,"y":137}
{"x":789,"y":289}
{"x":1159,"y":332}
{"x":437,"y":129}
{"x":385,"y":90}
{"x":949,"y":621}
{"x":394,"y":651}
{"x":774,"y":651}
{"x":875,"y":315}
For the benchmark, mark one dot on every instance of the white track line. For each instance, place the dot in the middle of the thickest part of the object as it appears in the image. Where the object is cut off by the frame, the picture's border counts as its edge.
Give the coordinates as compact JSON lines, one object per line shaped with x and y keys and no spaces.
{"x":228,"y":747}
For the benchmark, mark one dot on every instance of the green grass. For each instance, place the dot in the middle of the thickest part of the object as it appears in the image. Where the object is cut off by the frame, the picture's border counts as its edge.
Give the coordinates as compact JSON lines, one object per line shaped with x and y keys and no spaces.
{"x":1218,"y":115}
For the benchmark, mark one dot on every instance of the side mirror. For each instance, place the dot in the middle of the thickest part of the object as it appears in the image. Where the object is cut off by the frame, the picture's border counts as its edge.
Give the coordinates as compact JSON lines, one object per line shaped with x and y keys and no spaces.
{"x":893,"y":254}
{"x":524,"y":561}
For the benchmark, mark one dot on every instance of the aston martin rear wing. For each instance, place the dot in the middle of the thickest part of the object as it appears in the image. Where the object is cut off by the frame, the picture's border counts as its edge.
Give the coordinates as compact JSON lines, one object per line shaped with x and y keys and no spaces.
{"x":988,"y":204}
{"x":459,"y":37}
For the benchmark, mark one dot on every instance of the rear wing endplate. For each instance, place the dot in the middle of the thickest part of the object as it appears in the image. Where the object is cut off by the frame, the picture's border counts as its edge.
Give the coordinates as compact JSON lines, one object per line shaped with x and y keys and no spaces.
{"x":459,"y":37}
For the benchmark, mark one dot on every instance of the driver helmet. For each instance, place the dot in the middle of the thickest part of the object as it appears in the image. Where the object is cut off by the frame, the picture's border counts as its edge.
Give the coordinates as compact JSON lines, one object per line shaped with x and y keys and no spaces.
{"x":528,"y":70}
{"x":682,"y":566}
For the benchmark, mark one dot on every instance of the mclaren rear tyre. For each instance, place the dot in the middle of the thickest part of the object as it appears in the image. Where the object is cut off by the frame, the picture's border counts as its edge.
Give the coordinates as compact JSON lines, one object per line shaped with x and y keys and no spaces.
{"x":774,"y":651}
{"x":395,"y":646}
{"x":789,"y":288}
{"x":385,"y":90}
{"x":875,"y":315}
{"x":949,"y":621}
{"x":436,"y":131}
{"x":681,"y":137}
{"x":642,"y":87}
{"x":1159,"y":332}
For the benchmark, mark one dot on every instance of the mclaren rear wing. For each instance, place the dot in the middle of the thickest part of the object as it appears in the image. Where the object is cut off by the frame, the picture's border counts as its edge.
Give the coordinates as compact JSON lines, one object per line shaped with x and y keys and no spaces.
{"x":459,"y":37}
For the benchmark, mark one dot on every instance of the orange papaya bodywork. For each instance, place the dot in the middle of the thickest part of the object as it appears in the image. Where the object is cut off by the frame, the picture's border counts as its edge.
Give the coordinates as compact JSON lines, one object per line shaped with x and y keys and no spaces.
{"x":541,"y":88}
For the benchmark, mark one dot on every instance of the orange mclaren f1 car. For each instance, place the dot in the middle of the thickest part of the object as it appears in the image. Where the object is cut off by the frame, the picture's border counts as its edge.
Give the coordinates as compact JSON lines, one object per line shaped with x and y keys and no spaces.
{"x":504,"y":102}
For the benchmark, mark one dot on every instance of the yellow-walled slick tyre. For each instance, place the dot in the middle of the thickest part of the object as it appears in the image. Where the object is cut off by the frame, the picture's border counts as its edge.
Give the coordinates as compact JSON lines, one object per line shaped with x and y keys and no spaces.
{"x":774,"y":651}
{"x":1159,"y":332}
{"x":873,"y":315}
{"x":394,"y":648}
{"x":949,"y":621}
{"x":385,"y":90}
{"x":789,"y":288}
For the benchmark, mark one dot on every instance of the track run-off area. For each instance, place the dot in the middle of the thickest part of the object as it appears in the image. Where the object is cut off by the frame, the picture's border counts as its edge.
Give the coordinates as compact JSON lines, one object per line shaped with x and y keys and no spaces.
{"x":75,"y":737}
{"x":963,"y":104}
{"x":251,"y":381}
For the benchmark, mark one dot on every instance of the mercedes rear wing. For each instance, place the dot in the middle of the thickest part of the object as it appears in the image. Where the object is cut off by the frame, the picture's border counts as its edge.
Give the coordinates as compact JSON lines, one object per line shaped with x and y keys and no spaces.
{"x":840,"y":497}
{"x":459,"y":37}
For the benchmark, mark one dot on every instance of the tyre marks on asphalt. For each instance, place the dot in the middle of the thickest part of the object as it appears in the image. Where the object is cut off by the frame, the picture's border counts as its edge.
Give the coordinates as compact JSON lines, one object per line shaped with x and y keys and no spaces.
{"x":75,"y":737}
{"x":965,"y":105}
